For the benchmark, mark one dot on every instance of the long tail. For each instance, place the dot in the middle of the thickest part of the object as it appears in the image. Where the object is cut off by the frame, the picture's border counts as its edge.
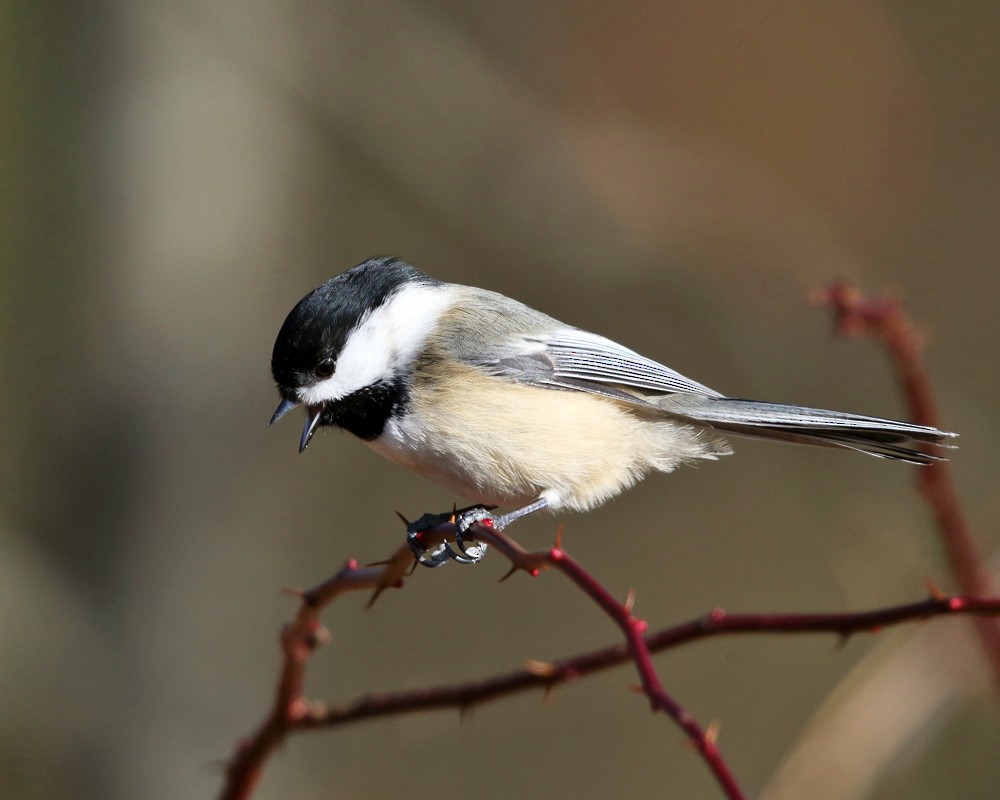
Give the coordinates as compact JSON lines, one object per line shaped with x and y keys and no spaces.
{"x":885,"y":438}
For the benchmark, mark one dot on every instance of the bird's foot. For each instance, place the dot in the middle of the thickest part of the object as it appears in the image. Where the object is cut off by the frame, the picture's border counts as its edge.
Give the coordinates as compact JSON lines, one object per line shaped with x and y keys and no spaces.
{"x":433,"y":553}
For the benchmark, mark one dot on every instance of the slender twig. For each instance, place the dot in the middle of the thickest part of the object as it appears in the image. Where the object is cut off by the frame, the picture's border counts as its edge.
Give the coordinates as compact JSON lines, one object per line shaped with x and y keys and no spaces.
{"x":291,"y":711}
{"x":547,"y":675}
{"x":299,"y":639}
{"x":884,"y":319}
{"x":633,"y":628}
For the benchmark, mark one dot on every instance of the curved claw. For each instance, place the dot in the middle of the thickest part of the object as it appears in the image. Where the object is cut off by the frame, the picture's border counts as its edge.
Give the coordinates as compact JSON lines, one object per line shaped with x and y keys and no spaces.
{"x":455,"y":556}
{"x":474,"y":549}
{"x":433,"y":558}
{"x":470,"y":554}
{"x":429,"y":557}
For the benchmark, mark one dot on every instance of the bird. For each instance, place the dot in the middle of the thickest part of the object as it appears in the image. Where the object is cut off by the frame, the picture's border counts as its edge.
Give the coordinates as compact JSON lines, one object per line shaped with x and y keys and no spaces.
{"x":502,"y":404}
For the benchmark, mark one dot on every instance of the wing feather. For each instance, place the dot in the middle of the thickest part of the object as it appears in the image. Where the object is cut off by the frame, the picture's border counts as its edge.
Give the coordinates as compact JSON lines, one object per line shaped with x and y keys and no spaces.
{"x":581,"y":358}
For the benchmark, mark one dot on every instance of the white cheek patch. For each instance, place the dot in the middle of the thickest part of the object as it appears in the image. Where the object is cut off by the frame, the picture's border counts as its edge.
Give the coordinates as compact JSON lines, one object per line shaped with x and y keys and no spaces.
{"x":384,"y":342}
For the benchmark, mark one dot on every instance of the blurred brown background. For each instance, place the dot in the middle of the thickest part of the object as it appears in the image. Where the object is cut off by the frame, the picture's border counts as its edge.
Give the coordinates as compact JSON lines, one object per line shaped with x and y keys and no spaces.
{"x":678,"y":176}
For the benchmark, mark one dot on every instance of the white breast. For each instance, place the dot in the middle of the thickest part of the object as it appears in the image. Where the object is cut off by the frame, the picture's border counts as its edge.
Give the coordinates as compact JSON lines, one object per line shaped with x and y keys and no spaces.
{"x":499,"y":443}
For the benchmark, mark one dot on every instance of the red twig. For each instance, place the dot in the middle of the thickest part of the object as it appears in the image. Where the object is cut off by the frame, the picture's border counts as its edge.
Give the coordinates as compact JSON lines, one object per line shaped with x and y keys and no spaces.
{"x":546,"y":675}
{"x":298,"y":640}
{"x":633,"y":628}
{"x":291,"y":711}
{"x":883,"y":319}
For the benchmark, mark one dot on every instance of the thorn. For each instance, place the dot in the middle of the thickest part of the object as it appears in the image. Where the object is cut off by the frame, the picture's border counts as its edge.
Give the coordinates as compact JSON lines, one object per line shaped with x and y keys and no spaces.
{"x":413,"y":566}
{"x":396,"y":583}
{"x":454,"y":514}
{"x":630,"y":602}
{"x":406,"y":522}
{"x":298,"y":594}
{"x":548,"y":693}
{"x":935,"y":591}
{"x":541,"y":669}
{"x":635,"y":688}
{"x":508,"y":573}
{"x":464,"y":712}
{"x":375,"y":596}
{"x":712,"y":732}
{"x":559,"y":537}
{"x":383,"y":563}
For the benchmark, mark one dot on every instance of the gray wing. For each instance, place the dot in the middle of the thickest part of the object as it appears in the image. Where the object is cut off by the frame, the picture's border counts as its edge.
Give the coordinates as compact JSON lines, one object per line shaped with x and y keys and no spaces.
{"x":520,"y":344}
{"x":570,"y":358}
{"x":581,"y":361}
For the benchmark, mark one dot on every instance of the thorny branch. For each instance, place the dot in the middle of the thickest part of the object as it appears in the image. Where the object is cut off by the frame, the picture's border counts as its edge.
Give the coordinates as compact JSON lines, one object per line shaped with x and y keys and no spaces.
{"x":291,"y":711}
{"x":883,"y":319}
{"x":547,"y":675}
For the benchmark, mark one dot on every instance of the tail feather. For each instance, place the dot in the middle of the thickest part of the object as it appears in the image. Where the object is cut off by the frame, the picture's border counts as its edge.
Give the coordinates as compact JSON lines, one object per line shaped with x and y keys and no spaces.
{"x":884,"y":438}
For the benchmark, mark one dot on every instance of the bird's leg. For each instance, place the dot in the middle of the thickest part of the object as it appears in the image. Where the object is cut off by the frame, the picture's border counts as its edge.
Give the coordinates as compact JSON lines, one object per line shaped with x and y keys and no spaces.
{"x":503,"y":520}
{"x":472,"y":551}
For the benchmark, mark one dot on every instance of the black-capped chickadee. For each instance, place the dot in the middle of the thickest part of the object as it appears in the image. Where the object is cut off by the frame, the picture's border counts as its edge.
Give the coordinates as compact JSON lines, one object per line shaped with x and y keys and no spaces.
{"x":499,"y":403}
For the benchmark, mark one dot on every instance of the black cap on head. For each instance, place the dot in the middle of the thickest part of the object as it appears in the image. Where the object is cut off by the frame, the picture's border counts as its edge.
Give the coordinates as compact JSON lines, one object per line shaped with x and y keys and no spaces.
{"x":319,"y":325}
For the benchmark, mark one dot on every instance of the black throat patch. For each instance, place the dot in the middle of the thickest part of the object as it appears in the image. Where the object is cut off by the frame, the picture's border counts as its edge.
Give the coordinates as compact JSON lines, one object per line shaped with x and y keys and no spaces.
{"x":366,"y":411}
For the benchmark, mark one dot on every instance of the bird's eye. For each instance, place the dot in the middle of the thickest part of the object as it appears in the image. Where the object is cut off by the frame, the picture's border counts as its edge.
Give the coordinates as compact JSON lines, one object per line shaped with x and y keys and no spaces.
{"x":325,"y":368}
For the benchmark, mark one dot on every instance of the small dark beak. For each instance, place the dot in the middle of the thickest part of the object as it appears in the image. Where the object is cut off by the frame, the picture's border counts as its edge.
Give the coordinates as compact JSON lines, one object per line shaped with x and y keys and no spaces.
{"x":283,"y":408}
{"x":313,"y":413}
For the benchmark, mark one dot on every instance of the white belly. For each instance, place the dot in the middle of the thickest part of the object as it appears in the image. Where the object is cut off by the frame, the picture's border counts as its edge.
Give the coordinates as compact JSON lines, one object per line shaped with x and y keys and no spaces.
{"x":504,"y":444}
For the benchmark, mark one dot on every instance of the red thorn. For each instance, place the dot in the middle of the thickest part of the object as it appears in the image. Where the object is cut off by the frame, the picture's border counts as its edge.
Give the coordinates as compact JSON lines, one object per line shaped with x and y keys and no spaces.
{"x":559,"y":537}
